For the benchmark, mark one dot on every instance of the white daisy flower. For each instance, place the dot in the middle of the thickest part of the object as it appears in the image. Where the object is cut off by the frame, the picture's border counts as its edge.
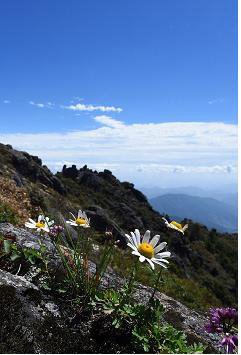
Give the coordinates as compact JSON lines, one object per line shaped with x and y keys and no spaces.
{"x":174,"y":225}
{"x":148,"y":249}
{"x":81,"y":221}
{"x":43,"y":224}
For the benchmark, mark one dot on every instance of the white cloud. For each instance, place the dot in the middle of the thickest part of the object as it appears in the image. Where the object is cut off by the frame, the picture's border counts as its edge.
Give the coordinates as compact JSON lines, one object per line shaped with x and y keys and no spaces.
{"x":151,"y":152}
{"x":47,"y":105}
{"x":50,"y":104}
{"x":35,"y":104}
{"x":76,"y":98}
{"x":6,"y":101}
{"x":215,"y":101}
{"x":212,"y":169}
{"x":108,"y":121}
{"x":83,"y":107}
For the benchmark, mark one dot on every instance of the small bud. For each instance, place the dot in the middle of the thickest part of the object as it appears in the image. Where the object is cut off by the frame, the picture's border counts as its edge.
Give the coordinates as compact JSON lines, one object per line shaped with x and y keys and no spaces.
{"x":108,"y":234}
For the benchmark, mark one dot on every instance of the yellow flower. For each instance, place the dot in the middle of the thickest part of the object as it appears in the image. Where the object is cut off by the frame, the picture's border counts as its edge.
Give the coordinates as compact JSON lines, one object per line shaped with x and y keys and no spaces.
{"x":81,"y":220}
{"x":174,"y":225}
{"x":43,"y":224}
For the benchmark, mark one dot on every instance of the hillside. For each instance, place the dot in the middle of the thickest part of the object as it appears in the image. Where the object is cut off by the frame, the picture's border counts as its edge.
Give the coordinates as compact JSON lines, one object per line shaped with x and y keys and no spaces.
{"x":229,"y":196}
{"x":203,"y":269}
{"x":208,"y":211}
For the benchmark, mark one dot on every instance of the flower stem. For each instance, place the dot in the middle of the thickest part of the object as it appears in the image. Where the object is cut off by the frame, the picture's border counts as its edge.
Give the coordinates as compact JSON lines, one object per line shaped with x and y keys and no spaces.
{"x":156,"y":286}
{"x":130,"y":283}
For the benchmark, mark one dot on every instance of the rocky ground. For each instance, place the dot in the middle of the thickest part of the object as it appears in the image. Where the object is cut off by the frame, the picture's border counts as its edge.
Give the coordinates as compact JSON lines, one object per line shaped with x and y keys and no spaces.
{"x":36,"y":320}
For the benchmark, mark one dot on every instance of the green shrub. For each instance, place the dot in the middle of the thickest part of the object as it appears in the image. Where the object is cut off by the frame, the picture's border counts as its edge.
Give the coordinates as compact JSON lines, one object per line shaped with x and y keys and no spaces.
{"x":144,"y":324}
{"x":8,"y":215}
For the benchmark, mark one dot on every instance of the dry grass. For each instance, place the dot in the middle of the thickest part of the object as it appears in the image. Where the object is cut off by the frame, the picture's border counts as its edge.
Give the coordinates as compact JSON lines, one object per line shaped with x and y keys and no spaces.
{"x":16,"y":198}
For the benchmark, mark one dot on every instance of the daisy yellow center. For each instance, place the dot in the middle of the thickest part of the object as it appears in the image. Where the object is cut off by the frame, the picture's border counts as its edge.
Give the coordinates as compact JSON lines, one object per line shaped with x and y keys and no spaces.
{"x":178,"y":225}
{"x":146,"y":250}
{"x":40,"y":224}
{"x":80,"y":221}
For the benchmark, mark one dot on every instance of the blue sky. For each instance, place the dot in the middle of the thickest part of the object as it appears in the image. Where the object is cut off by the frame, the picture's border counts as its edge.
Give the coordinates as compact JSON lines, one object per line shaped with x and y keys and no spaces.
{"x":81,"y":66}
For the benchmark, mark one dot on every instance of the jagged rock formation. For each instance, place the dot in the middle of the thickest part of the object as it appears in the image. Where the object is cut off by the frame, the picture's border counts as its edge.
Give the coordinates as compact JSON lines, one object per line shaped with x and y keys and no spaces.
{"x":29,"y":167}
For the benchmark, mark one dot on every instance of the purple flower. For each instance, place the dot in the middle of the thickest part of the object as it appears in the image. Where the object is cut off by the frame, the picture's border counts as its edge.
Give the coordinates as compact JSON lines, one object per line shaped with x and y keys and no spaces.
{"x":221,"y":320}
{"x":230,"y":343}
{"x":56,"y":230}
{"x":213,"y":328}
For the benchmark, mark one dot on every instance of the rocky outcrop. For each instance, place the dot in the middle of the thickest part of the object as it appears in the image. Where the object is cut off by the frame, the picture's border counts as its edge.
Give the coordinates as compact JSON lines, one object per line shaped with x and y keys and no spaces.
{"x":35,"y":322}
{"x":101,"y":222}
{"x":71,"y":172}
{"x":28,"y":319}
{"x":29,"y":167}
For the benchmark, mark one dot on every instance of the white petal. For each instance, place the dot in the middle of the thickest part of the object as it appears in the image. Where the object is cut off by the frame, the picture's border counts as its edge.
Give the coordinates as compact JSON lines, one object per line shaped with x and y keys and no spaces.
{"x":135,"y":252}
{"x":138,"y":236}
{"x":32,"y":221}
{"x":184,"y":228}
{"x":160,"y":260}
{"x":160,"y":247}
{"x":174,"y":227}
{"x":160,"y":263}
{"x":84,"y":215}
{"x":131,"y":246}
{"x":46,"y":229}
{"x":30,"y":225}
{"x":134,"y":239}
{"x":154,"y":240}
{"x":40,"y":218}
{"x":142,"y":258}
{"x":72,"y":215}
{"x":166,"y":222}
{"x":151,"y":263}
{"x":70,"y":221}
{"x":130,"y":240}
{"x":146,"y":237}
{"x":128,"y":237}
{"x":165,"y":254}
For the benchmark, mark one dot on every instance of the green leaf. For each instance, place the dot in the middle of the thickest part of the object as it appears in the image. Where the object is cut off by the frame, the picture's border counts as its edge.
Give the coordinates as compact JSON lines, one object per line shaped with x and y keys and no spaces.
{"x":15,"y":256}
{"x":31,"y":259}
{"x":116,"y":323}
{"x":7,"y":246}
{"x":146,"y":347}
{"x":46,"y":287}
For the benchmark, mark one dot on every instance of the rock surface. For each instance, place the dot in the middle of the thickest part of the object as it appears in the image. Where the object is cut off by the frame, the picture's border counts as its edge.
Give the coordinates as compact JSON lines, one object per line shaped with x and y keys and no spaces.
{"x":32,"y":322}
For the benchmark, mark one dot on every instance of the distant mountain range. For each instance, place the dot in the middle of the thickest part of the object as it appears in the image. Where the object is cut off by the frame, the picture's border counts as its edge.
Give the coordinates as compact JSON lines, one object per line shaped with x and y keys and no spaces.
{"x":205,"y":210}
{"x":229,"y":195}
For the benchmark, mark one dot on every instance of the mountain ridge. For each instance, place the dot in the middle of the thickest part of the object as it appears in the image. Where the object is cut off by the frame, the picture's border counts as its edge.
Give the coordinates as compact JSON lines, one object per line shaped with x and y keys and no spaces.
{"x":205,"y":210}
{"x":203,"y":262}
{"x":229,"y":196}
